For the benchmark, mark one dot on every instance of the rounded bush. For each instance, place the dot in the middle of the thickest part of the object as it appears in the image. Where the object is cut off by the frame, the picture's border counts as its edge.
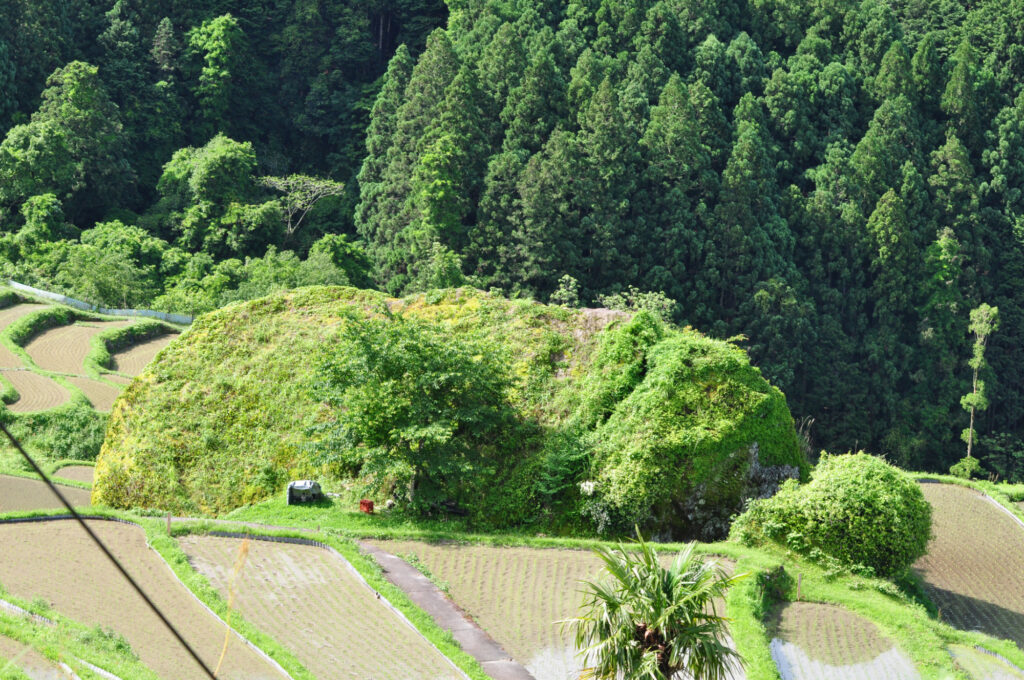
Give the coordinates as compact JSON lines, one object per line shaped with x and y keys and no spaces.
{"x":857,"y":508}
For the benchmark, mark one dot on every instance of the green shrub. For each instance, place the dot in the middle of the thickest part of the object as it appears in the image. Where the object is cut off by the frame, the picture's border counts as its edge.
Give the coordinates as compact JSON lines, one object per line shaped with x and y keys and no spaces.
{"x":857,"y":509}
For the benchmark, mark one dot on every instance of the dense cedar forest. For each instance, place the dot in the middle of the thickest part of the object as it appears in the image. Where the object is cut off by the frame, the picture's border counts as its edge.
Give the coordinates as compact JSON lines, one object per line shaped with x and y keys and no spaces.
{"x":833,"y":185}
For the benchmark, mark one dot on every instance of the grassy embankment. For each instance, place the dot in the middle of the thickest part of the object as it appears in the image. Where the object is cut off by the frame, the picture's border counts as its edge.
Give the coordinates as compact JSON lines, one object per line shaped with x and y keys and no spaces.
{"x":69,"y":642}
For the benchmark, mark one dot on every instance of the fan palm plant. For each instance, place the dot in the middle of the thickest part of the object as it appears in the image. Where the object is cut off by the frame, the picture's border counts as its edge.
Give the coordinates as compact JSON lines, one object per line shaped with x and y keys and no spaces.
{"x":644,"y":621}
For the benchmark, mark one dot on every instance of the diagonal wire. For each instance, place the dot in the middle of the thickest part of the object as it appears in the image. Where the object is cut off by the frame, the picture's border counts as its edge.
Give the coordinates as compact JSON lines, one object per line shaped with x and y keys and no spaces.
{"x":110,"y":556}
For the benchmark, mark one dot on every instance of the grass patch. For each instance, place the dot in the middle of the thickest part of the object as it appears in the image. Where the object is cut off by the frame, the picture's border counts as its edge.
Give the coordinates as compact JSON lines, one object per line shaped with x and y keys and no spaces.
{"x":69,"y":641}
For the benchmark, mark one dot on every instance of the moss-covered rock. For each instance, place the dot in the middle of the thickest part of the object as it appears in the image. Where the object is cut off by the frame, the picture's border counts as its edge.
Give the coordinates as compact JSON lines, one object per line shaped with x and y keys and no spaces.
{"x":629,"y":420}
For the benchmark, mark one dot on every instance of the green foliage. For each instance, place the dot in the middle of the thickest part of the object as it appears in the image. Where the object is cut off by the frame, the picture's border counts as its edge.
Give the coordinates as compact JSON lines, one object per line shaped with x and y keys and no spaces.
{"x":73,"y":431}
{"x":646,"y":621}
{"x":415,"y":412}
{"x":856,"y":509}
{"x":968,"y":467}
{"x":446,"y":400}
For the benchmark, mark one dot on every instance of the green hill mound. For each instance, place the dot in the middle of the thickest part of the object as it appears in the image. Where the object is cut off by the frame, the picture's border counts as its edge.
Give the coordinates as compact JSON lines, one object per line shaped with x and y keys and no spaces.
{"x":456,"y":400}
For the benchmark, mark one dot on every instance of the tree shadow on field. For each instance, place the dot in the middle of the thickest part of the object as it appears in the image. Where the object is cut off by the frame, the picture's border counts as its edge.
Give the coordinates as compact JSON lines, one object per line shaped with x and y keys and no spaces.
{"x":969,"y":613}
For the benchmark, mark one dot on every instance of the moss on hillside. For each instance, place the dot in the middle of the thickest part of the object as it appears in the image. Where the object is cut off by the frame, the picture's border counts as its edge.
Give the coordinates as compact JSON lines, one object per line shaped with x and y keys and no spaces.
{"x":651,"y":415}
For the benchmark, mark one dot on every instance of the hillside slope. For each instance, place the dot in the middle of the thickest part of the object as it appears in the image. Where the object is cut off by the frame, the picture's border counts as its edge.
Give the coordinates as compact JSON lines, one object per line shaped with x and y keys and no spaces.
{"x":655,"y":417}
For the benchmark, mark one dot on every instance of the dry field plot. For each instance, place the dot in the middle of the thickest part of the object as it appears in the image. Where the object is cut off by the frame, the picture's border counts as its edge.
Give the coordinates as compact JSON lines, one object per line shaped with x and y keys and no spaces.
{"x":517,"y":595}
{"x":823,"y":642}
{"x":100,"y":394}
{"x":56,"y":561}
{"x":132,"y":360}
{"x":63,"y":349}
{"x":309,"y":600}
{"x":18,"y":494}
{"x":36,"y":392}
{"x":78,"y":473}
{"x":974,"y":569}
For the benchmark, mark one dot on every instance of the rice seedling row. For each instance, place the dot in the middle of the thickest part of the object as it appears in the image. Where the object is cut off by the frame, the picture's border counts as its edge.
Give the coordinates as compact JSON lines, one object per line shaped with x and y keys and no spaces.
{"x":309,"y":600}
{"x":517,"y":595}
{"x":823,"y":642}
{"x":974,"y":569}
{"x":55,"y":561}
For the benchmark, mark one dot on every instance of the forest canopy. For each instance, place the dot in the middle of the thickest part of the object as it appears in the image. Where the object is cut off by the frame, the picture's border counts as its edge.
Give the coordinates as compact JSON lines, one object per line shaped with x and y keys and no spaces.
{"x":838,"y":183}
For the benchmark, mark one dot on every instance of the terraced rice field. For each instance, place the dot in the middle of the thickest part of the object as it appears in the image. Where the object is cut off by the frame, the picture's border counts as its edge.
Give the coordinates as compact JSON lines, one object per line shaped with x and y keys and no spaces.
{"x":309,"y":599}
{"x":79,"y":473}
{"x":63,"y":349}
{"x":90,"y":590}
{"x":822,"y":642}
{"x":37,"y":392}
{"x":982,"y":665}
{"x":19,"y":494}
{"x":974,"y":569}
{"x":100,"y":394}
{"x":517,"y":595}
{"x":132,"y":360}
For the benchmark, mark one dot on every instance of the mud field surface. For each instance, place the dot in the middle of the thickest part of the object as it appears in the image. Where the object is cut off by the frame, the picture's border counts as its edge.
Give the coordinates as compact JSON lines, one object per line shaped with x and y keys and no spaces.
{"x":983,"y":665}
{"x":823,"y":642}
{"x":18,"y":494}
{"x":79,"y":473}
{"x":308,"y":599}
{"x":56,"y":561}
{"x":517,"y":595}
{"x":36,"y":392}
{"x":28,"y":661}
{"x":132,"y":360}
{"x":101,"y":395}
{"x":63,"y":349}
{"x":974,"y":569}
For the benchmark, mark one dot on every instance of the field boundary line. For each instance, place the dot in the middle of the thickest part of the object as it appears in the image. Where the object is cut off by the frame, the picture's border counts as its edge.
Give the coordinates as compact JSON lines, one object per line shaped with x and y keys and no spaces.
{"x":348,"y":565}
{"x":48,"y":518}
{"x":181,"y":319}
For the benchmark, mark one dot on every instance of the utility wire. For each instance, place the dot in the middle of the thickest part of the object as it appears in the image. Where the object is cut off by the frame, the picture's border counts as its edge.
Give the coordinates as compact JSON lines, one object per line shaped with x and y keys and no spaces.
{"x":110,"y":556}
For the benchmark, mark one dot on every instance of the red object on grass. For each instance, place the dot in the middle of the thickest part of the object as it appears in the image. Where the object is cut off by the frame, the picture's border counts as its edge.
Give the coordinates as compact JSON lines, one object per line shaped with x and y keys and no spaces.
{"x":366,"y":506}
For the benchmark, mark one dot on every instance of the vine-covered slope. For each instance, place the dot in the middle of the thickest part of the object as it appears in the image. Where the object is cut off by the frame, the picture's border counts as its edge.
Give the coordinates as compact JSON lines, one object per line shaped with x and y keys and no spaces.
{"x":618,"y":418}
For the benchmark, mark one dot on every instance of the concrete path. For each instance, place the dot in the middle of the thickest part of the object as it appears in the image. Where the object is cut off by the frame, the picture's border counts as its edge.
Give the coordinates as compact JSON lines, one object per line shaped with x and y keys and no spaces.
{"x":425,"y":595}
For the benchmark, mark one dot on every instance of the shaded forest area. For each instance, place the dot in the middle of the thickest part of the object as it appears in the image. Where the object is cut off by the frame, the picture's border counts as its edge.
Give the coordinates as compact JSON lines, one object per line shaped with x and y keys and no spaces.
{"x":837,"y":183}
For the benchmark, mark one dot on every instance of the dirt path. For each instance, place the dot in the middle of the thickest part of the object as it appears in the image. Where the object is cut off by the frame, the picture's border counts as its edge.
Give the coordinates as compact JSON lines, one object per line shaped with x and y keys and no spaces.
{"x":132,"y":360}
{"x":823,"y":642}
{"x":517,"y":595}
{"x":35,"y":392}
{"x":63,"y":349}
{"x":974,"y":569}
{"x":101,"y":395}
{"x":309,"y":600}
{"x":18,"y":494}
{"x":79,"y":473}
{"x":30,"y":662}
{"x":90,"y":590}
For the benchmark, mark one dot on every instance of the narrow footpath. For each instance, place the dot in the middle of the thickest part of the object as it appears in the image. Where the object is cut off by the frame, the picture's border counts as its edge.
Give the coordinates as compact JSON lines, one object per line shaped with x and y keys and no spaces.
{"x":428,"y":597}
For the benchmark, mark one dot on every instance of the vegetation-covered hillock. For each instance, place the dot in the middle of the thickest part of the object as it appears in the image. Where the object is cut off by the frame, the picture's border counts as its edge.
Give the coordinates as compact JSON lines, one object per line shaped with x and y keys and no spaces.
{"x":856,"y":509}
{"x":456,"y":400}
